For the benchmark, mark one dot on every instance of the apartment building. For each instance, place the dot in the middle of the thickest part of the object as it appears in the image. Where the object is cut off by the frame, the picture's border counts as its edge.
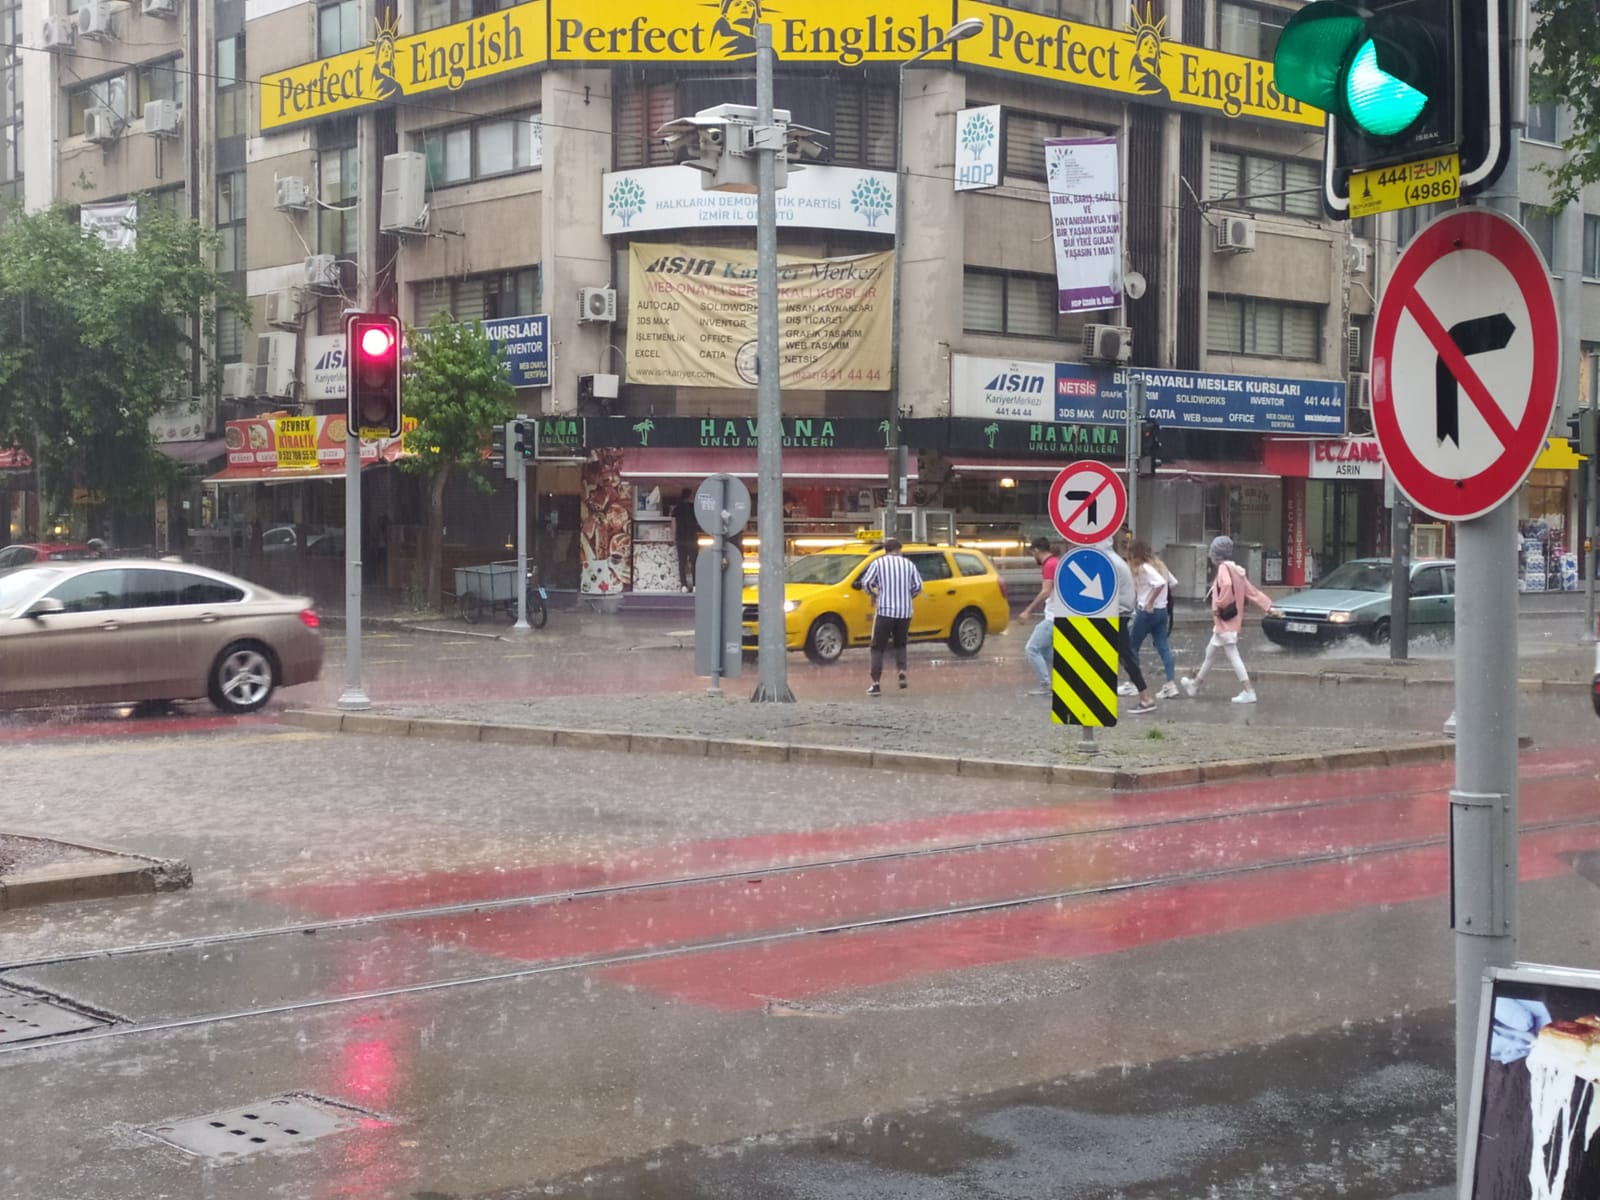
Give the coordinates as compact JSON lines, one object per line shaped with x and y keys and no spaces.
{"x":500,"y":161}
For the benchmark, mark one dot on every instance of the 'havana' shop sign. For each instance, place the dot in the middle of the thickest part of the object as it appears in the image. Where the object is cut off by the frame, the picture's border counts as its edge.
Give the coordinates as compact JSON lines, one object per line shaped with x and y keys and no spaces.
{"x":734,"y":433}
{"x":1043,"y":440}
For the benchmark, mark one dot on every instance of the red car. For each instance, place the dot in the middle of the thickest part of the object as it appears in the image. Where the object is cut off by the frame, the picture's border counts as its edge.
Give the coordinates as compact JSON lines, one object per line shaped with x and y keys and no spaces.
{"x":20,"y":554}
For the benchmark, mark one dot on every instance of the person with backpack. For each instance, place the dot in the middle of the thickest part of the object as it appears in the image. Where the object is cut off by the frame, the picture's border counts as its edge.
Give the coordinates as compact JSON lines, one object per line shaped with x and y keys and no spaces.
{"x":1230,"y":589}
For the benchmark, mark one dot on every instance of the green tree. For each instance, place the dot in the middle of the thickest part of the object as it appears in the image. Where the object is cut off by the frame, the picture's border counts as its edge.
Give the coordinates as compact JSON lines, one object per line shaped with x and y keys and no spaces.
{"x":458,"y":390}
{"x":1566,"y":70}
{"x":94,"y":339}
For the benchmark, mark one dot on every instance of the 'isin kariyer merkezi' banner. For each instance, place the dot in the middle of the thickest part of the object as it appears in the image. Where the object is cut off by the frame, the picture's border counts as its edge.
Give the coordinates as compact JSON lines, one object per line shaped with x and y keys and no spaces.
{"x":1201,"y":400}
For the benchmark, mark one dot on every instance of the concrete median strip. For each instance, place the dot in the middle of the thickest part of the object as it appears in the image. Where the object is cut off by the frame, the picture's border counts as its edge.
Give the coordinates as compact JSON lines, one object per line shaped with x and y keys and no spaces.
{"x":42,"y":870}
{"x":1180,"y":769}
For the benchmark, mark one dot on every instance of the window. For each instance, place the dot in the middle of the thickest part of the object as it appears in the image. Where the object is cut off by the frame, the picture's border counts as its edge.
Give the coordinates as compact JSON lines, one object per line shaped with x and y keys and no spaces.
{"x":233,"y":99}
{"x":336,"y":226}
{"x":230,"y":337}
{"x":93,"y":591}
{"x":230,"y":221}
{"x":970,"y":564}
{"x":1269,"y":328}
{"x":1591,"y":247}
{"x":1428,"y":582}
{"x":484,"y":149}
{"x":1013,"y":303}
{"x":638,"y":110}
{"x":480,"y":297}
{"x":433,"y":13}
{"x":10,"y":122}
{"x":931,"y":566}
{"x":1541,"y":121}
{"x":1249,"y":29}
{"x":157,"y":81}
{"x":1266,"y":184}
{"x":107,"y":93}
{"x":1085,"y":12}
{"x":1541,"y":226}
{"x":1022,"y":153}
{"x":863,"y":126}
{"x":336,"y":29}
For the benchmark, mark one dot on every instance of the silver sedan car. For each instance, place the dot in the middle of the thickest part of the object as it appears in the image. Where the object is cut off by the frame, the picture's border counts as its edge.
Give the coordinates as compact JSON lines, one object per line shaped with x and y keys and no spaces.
{"x":113,"y":631}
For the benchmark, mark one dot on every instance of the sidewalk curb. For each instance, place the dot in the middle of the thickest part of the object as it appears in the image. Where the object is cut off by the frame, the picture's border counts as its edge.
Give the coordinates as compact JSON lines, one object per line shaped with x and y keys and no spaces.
{"x":122,"y":873}
{"x":1064,"y":774}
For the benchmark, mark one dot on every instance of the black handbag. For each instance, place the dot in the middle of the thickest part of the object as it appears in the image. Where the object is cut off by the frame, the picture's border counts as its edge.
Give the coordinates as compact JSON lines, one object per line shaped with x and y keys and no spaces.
{"x":1230,"y":610}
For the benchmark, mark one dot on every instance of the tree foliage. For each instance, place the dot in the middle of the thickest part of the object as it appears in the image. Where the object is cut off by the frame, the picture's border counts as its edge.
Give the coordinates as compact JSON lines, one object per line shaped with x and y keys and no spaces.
{"x":457,"y":390}
{"x":1566,"y":46}
{"x":95,"y":339}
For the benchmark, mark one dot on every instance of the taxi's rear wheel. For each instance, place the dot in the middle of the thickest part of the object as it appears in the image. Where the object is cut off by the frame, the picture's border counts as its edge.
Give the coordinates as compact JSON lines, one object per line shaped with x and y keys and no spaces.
{"x":826,"y":641}
{"x":967,"y":634}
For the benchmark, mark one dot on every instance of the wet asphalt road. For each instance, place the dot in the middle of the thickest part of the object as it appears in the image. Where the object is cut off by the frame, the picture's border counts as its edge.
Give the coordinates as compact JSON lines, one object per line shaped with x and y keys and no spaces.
{"x":1185,"y":1037}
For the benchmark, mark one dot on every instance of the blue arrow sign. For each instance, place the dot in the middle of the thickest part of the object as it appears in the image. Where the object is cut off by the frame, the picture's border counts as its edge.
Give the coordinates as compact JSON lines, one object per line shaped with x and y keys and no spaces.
{"x":1086,"y":582}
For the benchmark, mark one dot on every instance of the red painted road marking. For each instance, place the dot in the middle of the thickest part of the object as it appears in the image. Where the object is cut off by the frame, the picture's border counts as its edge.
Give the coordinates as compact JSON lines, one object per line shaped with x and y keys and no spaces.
{"x":1444,"y":345}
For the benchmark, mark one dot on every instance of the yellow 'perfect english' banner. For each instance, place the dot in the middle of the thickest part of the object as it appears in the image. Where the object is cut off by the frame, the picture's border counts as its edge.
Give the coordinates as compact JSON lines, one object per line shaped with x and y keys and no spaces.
{"x":394,"y":67}
{"x":692,"y":319}
{"x":1137,"y":62}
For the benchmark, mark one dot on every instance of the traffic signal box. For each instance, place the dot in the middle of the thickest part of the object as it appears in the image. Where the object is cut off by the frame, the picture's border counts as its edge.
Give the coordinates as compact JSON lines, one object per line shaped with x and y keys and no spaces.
{"x":372,"y":374}
{"x":1149,"y":447}
{"x":1416,"y":93}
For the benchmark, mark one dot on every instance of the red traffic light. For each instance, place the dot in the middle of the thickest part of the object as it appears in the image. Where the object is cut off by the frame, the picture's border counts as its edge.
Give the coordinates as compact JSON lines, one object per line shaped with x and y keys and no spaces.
{"x":377,"y":341}
{"x":372,"y":374}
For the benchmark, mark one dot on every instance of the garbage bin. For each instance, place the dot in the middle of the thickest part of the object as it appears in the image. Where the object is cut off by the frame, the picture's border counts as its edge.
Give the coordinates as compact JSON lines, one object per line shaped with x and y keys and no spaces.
{"x":1187,"y":562}
{"x":1251,"y":556}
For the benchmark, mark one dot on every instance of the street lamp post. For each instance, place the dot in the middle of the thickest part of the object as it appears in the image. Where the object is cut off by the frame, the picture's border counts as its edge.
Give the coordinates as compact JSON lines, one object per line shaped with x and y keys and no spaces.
{"x":959,"y":32}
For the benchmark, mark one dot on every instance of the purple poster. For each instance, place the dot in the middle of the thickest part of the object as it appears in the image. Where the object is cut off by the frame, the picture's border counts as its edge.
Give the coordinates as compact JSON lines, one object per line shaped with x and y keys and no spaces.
{"x":1085,"y":221}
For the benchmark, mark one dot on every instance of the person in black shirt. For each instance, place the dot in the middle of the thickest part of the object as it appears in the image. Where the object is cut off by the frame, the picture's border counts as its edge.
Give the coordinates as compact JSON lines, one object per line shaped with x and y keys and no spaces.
{"x":686,"y":534}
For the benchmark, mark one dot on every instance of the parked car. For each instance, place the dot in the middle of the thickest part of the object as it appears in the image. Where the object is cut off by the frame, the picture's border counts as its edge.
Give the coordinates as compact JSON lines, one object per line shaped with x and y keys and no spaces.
{"x":126,"y":630}
{"x":1354,"y":600}
{"x":20,"y":554}
{"x":826,"y":611}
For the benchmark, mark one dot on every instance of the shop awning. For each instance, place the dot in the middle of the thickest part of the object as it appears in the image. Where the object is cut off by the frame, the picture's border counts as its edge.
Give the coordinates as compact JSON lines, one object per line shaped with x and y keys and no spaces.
{"x":866,"y":466}
{"x":1032,"y":468}
{"x":264,"y":473}
{"x":194,"y":452}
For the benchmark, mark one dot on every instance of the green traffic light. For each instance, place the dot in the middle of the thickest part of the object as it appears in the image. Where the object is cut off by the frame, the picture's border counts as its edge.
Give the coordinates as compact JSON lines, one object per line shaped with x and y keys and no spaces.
{"x":1378,"y":102}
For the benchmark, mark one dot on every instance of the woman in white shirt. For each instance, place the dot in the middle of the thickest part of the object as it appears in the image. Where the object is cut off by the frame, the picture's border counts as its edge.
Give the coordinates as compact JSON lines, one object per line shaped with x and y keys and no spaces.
{"x":1151,"y":594}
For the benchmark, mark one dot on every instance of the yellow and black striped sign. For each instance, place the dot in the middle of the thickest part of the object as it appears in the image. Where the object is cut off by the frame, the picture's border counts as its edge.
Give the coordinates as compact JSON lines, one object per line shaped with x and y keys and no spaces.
{"x":1083,"y":677}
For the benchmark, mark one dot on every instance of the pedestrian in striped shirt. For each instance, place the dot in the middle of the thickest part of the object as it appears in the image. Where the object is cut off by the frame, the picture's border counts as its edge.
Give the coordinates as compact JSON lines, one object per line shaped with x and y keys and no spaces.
{"x":893,"y":582}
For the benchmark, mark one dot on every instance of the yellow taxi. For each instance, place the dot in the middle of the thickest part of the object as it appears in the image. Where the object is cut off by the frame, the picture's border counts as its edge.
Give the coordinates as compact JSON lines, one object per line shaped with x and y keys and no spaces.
{"x":826,"y":611}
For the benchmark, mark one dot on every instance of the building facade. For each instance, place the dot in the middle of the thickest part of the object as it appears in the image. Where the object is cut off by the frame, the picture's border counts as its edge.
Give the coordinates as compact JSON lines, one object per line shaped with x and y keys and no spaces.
{"x":501,"y":161}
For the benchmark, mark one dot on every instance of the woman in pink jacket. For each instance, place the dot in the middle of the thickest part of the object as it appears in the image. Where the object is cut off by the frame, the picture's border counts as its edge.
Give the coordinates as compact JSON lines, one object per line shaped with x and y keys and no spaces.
{"x":1229,"y":590}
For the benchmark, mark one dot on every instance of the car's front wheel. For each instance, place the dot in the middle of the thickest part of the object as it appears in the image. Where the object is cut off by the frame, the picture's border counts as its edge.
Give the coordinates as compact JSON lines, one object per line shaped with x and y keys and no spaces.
{"x":242,"y":678}
{"x":967,"y":634}
{"x":1380,"y":631}
{"x":826,"y":640}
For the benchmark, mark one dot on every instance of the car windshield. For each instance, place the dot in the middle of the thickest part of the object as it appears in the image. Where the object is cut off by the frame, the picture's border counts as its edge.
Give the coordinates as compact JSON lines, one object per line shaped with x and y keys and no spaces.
{"x":1357,"y":577}
{"x":16,"y":586}
{"x":824,"y":568}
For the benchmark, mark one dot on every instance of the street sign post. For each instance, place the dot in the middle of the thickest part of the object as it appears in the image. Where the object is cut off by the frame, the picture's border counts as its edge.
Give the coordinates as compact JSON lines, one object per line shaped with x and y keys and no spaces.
{"x":1466,"y":357}
{"x":1086,"y":582}
{"x":1087,"y":503}
{"x":1083,"y":675}
{"x":722,"y":509}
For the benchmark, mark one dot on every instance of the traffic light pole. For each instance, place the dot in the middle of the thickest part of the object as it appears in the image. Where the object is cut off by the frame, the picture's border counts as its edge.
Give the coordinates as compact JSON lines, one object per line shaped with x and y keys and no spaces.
{"x":1484,"y":801}
{"x":1131,"y":427}
{"x":522,"y":625}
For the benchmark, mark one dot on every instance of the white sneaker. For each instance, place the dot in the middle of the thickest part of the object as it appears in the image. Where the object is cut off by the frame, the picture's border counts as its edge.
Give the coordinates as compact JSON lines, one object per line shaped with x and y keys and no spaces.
{"x":1168,"y":691}
{"x":1127,"y":689}
{"x":1248,"y":696}
{"x":1188,"y":686}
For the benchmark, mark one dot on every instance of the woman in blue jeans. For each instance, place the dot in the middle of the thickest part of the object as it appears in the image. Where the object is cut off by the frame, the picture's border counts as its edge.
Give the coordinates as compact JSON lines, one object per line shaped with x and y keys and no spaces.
{"x":1151,"y":594}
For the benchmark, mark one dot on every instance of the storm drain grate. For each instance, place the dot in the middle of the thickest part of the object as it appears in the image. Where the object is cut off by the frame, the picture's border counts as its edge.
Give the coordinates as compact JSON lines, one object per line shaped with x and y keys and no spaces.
{"x":23,"y":1018}
{"x":275,"y":1124}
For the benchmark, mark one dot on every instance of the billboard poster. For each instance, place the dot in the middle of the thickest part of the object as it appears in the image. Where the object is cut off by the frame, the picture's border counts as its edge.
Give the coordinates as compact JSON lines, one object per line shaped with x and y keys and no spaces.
{"x":692,"y":318}
{"x":978,"y":148}
{"x":819,"y":197}
{"x":1085,"y":221}
{"x":1005,"y":388}
{"x":1203,"y":400}
{"x":1533,"y":1111}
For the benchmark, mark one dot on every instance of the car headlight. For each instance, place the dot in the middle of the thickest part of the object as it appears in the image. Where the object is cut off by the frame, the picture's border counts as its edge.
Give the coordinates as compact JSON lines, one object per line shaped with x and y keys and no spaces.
{"x":1274,"y":611}
{"x":1341,"y":618}
{"x":790,"y":605}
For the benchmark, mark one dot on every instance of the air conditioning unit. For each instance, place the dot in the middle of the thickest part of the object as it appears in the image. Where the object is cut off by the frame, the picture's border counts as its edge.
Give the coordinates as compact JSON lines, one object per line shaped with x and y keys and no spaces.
{"x":1352,"y":347}
{"x":1107,"y":343}
{"x":100,"y":123}
{"x":240,"y":381}
{"x":1360,"y":257}
{"x":291,"y":191}
{"x":275,"y":355}
{"x":94,"y":20}
{"x":597,"y":304}
{"x":1235,"y":235}
{"x":1360,"y":391}
{"x":59,"y":33}
{"x":162,"y":117}
{"x":403,"y":204}
{"x":283,"y":308}
{"x":159,"y":8}
{"x":322,"y":272}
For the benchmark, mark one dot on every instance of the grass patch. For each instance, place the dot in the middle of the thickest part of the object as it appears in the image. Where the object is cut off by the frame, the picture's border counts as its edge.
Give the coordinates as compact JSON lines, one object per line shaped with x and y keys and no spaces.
{"x":1154,"y":735}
